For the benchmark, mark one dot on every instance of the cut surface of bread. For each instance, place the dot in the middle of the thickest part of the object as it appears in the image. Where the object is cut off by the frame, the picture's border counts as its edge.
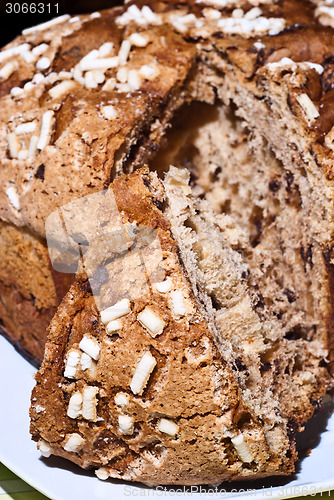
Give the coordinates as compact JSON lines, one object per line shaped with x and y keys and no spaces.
{"x":175,"y":381}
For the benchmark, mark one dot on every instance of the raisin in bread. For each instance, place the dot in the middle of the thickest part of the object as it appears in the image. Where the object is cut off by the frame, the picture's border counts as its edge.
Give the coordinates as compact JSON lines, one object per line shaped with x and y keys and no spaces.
{"x":177,"y":381}
{"x":248,"y":92}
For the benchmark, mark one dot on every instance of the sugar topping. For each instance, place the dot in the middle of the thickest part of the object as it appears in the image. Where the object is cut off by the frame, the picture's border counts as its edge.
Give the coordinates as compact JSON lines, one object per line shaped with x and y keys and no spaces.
{"x":178,"y":305}
{"x":116,"y":311}
{"x":164,"y":286}
{"x":242,"y":449}
{"x":13,"y":197}
{"x":7,"y":70}
{"x":25,"y":128}
{"x":47,"y":123}
{"x":90,"y":346}
{"x":251,"y":23}
{"x":308,"y":107}
{"x":138,"y":40}
{"x":102,"y":473}
{"x":168,"y":427}
{"x":86,"y":361}
{"x":151,"y":321}
{"x":75,"y":405}
{"x":122,"y":399}
{"x":142,"y":373}
{"x":89,"y":403}
{"x":61,"y":89}
{"x":113,"y":326}
{"x":125,"y":424}
{"x":47,"y":25}
{"x":74,"y":443}
{"x":44,"y":448}
{"x":72,"y":361}
{"x":109,"y":112}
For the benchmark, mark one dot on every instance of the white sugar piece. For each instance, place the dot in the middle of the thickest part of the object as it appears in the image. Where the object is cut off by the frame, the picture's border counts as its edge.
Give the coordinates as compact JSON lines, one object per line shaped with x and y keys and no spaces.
{"x":74,"y":19}
{"x":116,"y":311}
{"x":75,"y":405}
{"x":242,"y":448}
{"x":61,"y":89}
{"x":105,"y":63}
{"x":44,"y":26}
{"x":122,"y":399}
{"x":134,"y":80}
{"x":123,"y":87}
{"x":148,"y":72}
{"x":109,"y":112}
{"x":16,"y":91}
{"x":102,"y":474}
{"x":77,"y":75}
{"x":38,"y":78}
{"x":149,"y":15}
{"x":178,"y":305}
{"x":125,"y":424}
{"x":168,"y":427}
{"x":23,"y":154}
{"x":285,"y":61}
{"x":318,"y":68}
{"x":40,"y":49}
{"x":43,"y":63}
{"x":151,"y":321}
{"x":93,"y":54}
{"x":308,"y":107}
{"x":13,"y":51}
{"x":13,"y":145}
{"x":134,"y":12}
{"x":238,"y":13}
{"x":109,"y":85}
{"x":106,"y":49}
{"x":74,"y":443}
{"x":259,"y":45}
{"x":212,"y":14}
{"x":29,"y":57}
{"x":113,"y":326}
{"x":124,"y":52}
{"x":90,"y":346}
{"x":122,"y":75}
{"x":13,"y":197}
{"x":99,"y":76}
{"x":86,"y":361}
{"x":44,"y":448}
{"x":47,"y":122}
{"x":89,"y":403}
{"x":65,"y":75}
{"x":95,"y":15}
{"x":72,"y":361}
{"x":138,"y":40}
{"x":28,"y":86}
{"x":253,"y":13}
{"x":142,"y":373}
{"x":32,"y":150}
{"x":164,"y":286}
{"x":25,"y":128}
{"x":8,"y":70}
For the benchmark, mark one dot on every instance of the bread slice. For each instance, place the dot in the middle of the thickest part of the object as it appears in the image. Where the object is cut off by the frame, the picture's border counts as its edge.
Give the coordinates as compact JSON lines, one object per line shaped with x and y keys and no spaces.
{"x":257,"y":138}
{"x":183,"y":380}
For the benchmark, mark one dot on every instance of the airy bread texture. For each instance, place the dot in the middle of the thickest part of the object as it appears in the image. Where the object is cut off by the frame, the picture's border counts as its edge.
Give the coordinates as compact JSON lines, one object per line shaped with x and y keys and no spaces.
{"x":208,"y":407}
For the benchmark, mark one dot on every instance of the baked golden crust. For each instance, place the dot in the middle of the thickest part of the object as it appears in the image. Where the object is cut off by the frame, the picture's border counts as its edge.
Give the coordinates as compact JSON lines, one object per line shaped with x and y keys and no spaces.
{"x":84,"y":150}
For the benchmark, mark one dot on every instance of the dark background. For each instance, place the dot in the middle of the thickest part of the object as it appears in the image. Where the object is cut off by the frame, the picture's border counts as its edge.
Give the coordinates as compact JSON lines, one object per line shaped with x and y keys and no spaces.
{"x":12,"y":24}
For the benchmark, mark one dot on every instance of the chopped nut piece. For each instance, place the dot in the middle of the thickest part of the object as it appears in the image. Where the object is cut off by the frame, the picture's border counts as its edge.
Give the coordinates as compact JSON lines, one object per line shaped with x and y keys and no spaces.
{"x":125,"y":424}
{"x":308,"y":107}
{"x":178,"y":305}
{"x":44,"y":448}
{"x":75,"y":405}
{"x":71,"y":363}
{"x":102,"y":474}
{"x":13,"y":145}
{"x":116,"y":311}
{"x":43,"y":63}
{"x":113,"y":326}
{"x":122,"y":399}
{"x":61,"y":89}
{"x":25,"y":128}
{"x":142,"y":373}
{"x":89,"y":403}
{"x":44,"y":137}
{"x":168,"y":427}
{"x":13,"y":197}
{"x":90,"y":346}
{"x":164,"y":286}
{"x":242,"y":448}
{"x":151,"y":322}
{"x":109,"y":112}
{"x":138,"y":40}
{"x":74,"y":443}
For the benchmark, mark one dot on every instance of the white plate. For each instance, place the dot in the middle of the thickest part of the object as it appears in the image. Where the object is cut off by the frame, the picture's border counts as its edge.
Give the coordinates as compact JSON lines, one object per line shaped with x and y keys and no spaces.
{"x":61,"y":480}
